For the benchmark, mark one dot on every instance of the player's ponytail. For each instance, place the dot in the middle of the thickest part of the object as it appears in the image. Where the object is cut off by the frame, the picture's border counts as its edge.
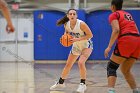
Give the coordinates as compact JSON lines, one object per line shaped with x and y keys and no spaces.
{"x":62,"y":20}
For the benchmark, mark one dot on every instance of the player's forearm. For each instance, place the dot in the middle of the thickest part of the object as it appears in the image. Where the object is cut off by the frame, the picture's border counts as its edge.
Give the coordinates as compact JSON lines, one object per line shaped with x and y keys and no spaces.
{"x":113,"y":38}
{"x":5,"y":11}
{"x":86,"y":37}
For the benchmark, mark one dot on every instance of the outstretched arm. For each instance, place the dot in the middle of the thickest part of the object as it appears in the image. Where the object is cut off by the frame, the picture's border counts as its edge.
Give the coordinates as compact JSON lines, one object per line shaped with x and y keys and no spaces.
{"x":6,"y":14}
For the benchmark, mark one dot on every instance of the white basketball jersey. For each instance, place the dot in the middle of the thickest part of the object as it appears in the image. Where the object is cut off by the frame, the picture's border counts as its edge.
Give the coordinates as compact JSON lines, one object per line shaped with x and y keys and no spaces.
{"x":76,"y":31}
{"x":78,"y":46}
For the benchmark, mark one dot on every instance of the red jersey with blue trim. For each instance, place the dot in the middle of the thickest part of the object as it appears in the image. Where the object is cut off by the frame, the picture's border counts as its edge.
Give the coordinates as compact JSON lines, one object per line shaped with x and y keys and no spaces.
{"x":126,"y":22}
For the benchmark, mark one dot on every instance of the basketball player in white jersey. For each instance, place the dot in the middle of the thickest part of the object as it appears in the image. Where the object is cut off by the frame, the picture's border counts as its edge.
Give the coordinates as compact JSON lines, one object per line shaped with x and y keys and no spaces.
{"x":82,"y":48}
{"x":6,"y":14}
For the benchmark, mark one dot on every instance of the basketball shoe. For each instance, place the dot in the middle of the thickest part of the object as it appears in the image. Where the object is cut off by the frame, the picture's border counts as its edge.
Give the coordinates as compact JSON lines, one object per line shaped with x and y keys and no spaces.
{"x":57,"y":86}
{"x":81,"y":88}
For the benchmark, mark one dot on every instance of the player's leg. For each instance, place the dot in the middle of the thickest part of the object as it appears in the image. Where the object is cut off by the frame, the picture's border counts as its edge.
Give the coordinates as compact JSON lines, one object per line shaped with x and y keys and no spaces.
{"x":60,"y":83}
{"x":82,"y":69}
{"x":71,"y":60}
{"x":126,"y":70}
{"x":121,"y":53}
{"x":112,"y":67}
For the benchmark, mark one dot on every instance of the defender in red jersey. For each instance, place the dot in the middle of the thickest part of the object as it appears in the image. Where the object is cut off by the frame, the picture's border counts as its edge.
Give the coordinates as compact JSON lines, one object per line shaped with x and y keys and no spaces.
{"x":127,"y":50}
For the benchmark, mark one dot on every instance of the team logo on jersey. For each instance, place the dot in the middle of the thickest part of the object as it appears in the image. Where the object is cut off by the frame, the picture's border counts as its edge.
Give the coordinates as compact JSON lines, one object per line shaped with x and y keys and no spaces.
{"x":128,"y":17}
{"x":77,"y":35}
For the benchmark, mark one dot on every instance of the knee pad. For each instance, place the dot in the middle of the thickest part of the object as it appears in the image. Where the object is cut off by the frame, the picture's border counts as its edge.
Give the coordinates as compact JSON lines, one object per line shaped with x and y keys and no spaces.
{"x":112,"y":68}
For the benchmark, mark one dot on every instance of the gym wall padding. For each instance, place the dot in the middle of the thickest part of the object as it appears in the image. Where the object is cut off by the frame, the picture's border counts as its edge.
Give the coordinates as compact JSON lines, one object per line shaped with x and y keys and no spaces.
{"x":47,"y":34}
{"x":48,"y":48}
{"x":98,"y":23}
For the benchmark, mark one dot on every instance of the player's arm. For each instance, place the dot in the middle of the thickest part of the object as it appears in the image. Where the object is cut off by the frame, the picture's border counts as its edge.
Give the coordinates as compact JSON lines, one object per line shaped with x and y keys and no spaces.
{"x":5,"y":11}
{"x":114,"y":36}
{"x":115,"y":32}
{"x":84,"y":27}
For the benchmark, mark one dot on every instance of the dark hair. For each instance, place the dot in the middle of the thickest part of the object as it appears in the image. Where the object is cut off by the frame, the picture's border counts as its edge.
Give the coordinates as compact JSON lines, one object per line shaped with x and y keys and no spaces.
{"x":64,"y":19}
{"x":118,"y":4}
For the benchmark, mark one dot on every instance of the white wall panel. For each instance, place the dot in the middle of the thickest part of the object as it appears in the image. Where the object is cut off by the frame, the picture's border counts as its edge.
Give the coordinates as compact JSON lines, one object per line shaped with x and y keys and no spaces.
{"x":20,"y":43}
{"x":25,"y":27}
{"x":7,"y":52}
{"x":25,"y":37}
{"x":25,"y":51}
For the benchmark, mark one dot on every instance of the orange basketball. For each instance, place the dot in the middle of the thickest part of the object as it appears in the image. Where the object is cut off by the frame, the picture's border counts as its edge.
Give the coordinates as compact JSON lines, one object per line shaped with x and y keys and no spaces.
{"x":65,"y":40}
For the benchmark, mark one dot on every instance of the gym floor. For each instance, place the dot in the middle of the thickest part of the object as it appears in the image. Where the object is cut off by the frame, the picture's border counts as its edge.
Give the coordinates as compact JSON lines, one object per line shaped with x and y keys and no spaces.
{"x":26,"y":77}
{"x":96,"y":78}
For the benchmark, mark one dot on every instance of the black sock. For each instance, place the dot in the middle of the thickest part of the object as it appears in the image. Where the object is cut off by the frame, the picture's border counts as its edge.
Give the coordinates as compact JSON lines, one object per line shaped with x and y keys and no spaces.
{"x":83,"y":81}
{"x":61,"y":81}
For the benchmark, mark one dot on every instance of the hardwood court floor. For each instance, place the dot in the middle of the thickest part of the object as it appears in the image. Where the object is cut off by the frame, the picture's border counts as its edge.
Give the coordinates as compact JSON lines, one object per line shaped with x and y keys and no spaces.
{"x":25,"y":77}
{"x":47,"y":74}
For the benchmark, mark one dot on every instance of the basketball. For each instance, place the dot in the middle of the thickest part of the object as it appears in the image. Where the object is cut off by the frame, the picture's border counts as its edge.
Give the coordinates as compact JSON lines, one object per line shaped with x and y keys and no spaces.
{"x":65,"y":40}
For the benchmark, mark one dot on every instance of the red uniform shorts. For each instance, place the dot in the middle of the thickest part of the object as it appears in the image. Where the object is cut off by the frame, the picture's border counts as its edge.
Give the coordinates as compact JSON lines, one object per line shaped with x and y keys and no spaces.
{"x":128,"y":46}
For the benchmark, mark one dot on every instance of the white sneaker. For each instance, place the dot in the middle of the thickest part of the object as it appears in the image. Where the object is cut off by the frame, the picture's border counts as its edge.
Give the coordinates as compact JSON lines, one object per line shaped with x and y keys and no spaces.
{"x":81,"y":88}
{"x":57,"y":86}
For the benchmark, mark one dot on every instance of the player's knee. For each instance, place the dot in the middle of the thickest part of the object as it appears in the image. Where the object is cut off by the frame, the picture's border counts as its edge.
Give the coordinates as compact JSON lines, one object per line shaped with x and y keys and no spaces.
{"x":85,"y":55}
{"x":112,"y":68}
{"x":81,"y":64}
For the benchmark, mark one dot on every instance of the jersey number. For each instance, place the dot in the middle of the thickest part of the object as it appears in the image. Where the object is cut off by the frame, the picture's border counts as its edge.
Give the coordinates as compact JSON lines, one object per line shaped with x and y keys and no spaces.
{"x":128,"y":17}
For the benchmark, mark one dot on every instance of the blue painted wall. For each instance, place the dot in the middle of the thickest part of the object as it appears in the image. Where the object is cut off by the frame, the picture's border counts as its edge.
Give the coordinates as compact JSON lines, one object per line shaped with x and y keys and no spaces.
{"x":98,"y":22}
{"x":49,"y":48}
